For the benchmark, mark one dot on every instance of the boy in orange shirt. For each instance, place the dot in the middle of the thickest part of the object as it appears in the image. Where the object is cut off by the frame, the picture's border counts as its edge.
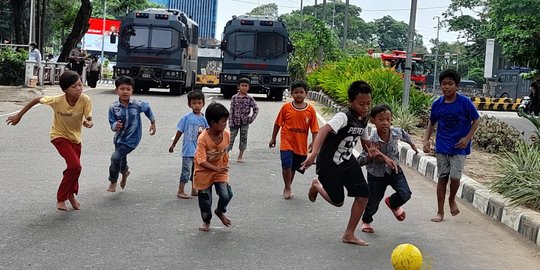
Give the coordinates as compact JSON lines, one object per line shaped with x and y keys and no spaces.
{"x":295,"y":119}
{"x":212,"y":165}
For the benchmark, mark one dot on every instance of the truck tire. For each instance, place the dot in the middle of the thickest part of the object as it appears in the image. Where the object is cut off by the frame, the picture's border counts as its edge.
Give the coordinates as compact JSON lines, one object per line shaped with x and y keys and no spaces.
{"x":175,"y":89}
{"x":276,"y":94}
{"x":228,"y":91}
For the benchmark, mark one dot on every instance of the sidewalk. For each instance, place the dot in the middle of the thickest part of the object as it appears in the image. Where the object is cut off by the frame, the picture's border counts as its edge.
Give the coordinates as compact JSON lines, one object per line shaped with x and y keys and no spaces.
{"x":521,"y":219}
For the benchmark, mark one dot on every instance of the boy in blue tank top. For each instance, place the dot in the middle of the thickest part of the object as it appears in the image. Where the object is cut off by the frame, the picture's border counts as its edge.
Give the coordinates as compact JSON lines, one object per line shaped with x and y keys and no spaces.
{"x":457,"y":120}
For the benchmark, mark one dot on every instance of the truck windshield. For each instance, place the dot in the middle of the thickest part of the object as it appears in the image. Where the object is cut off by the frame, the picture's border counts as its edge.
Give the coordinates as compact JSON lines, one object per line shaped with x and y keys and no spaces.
{"x":140,"y":37}
{"x":270,"y":45}
{"x":256,"y":44}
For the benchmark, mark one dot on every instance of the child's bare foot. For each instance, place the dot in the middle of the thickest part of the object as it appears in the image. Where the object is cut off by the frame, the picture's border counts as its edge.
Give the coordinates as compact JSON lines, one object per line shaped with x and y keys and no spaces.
{"x":312,"y":193}
{"x":240,"y":160}
{"x":183,"y":195}
{"x":61,"y":206}
{"x":204,"y":227}
{"x":287,"y":194}
{"x":438,"y":217}
{"x":194,"y":192}
{"x":74,"y":203}
{"x":124,"y":179}
{"x":225,"y":220}
{"x":454,"y":210}
{"x":112,"y":187}
{"x":351,"y":239}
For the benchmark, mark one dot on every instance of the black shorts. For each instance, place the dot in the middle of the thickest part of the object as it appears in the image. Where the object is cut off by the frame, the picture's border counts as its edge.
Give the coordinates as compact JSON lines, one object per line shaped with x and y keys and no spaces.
{"x":352,"y":179}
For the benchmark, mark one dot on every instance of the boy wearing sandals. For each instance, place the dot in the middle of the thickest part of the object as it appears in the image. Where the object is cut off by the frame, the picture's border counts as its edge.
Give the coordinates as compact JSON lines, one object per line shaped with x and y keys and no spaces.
{"x":380,"y":175}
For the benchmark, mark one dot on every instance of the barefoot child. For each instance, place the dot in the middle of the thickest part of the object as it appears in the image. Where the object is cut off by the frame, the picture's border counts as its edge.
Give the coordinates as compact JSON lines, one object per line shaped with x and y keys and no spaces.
{"x":191,"y":125}
{"x":336,"y":165}
{"x":125,"y":121}
{"x":72,"y":110}
{"x":295,"y":119}
{"x":457,"y":119}
{"x":244,"y":110}
{"x":212,"y":166}
{"x":379,"y":175}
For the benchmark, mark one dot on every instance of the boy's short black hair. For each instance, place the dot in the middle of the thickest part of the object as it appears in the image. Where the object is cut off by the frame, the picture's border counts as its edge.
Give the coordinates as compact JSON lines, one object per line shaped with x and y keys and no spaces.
{"x":451,"y":74}
{"x":379,"y":109}
{"x":243,"y":80}
{"x":195,"y":95}
{"x":214,"y":112}
{"x":299,"y":84}
{"x":124,"y":80}
{"x":68,"y":78}
{"x":358,"y":87}
{"x":535,"y":85}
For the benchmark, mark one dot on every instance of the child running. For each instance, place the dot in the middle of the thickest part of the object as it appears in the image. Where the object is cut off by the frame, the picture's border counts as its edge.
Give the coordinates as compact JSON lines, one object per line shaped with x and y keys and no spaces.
{"x":72,"y":110}
{"x":125,"y":121}
{"x":295,"y":119}
{"x":457,"y":120}
{"x":244,"y":110}
{"x":379,"y":175}
{"x":212,"y":166}
{"x":191,"y":125}
{"x":336,"y":165}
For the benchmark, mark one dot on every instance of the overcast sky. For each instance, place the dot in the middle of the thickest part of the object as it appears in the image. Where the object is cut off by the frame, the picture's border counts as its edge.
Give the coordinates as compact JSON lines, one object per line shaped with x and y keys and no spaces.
{"x":371,"y":9}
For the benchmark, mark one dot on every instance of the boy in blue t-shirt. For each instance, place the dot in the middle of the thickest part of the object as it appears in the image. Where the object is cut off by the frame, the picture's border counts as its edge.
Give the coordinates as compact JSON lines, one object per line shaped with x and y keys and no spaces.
{"x":191,"y":125}
{"x":457,"y":120}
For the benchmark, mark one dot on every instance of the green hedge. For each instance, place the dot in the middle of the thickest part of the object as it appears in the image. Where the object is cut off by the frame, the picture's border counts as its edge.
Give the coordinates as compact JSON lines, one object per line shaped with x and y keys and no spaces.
{"x":12,"y":66}
{"x":335,"y":77}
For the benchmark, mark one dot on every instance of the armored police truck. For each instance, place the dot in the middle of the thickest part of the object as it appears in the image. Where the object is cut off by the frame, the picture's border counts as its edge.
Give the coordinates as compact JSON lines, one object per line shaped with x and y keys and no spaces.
{"x":158,"y":48}
{"x":255,"y":47}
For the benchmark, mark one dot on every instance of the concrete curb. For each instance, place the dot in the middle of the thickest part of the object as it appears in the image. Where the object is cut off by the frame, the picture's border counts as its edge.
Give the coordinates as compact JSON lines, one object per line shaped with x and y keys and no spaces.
{"x":522,"y":220}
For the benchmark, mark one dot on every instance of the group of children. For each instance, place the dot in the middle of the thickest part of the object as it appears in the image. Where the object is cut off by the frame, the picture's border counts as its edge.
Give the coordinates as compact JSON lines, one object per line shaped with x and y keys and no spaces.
{"x":206,"y":145}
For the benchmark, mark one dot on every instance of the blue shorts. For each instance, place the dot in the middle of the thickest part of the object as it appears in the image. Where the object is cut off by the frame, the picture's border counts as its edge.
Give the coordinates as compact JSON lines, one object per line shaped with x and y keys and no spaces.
{"x":290,"y":160}
{"x":187,"y":170}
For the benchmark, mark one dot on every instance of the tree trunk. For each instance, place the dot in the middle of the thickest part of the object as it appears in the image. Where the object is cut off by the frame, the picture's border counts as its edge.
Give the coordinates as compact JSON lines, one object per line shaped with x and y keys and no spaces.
{"x":80,"y":26}
{"x":18,"y":7}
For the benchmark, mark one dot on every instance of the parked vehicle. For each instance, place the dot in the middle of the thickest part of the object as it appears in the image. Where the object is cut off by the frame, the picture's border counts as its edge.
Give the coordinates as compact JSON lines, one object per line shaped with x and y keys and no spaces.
{"x":525,"y":106}
{"x":396,"y":59}
{"x":208,"y":67}
{"x":255,"y":47}
{"x":158,"y":48}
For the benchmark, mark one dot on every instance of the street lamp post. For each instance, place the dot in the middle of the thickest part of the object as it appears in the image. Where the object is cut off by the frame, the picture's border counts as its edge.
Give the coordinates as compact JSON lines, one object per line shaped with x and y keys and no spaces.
{"x":436,"y":55}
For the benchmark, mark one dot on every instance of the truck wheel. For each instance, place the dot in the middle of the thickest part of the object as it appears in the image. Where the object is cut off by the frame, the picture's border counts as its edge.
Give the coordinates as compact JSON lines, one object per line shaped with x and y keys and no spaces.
{"x":228,"y":92}
{"x":175,"y":89}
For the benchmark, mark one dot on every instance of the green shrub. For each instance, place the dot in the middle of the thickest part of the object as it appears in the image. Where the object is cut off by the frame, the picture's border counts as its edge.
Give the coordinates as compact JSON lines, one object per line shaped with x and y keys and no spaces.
{"x":495,"y":136}
{"x":404,"y":118}
{"x":335,"y":77}
{"x":12,"y":67}
{"x":519,"y":181}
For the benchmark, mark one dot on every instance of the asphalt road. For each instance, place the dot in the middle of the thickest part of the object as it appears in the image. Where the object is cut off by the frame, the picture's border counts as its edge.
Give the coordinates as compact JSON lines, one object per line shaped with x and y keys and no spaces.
{"x":146,"y":227}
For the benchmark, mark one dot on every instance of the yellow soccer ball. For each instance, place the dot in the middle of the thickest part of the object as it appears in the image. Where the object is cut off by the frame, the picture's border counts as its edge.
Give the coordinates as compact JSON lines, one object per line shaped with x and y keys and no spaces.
{"x":406,"y":257}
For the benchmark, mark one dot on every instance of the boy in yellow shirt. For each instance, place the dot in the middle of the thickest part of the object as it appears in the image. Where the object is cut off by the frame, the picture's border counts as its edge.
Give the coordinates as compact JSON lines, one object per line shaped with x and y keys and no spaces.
{"x":72,"y":110}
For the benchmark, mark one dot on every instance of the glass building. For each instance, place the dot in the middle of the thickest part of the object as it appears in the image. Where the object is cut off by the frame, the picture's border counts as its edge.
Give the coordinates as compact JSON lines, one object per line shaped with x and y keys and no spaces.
{"x":204,"y":12}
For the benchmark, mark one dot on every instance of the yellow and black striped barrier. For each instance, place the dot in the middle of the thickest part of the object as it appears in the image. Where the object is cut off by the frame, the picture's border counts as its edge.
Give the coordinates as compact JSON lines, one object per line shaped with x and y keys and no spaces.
{"x":495,"y":104}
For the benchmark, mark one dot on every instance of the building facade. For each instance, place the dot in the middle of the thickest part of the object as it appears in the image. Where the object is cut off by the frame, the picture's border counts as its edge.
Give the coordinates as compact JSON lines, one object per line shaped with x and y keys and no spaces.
{"x":204,"y":12}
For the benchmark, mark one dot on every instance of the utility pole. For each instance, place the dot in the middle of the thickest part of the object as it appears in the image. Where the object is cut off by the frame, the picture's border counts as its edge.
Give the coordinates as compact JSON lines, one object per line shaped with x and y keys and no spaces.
{"x":31,"y":33}
{"x":436,"y":54}
{"x":324,"y":22}
{"x":345,"y":26}
{"x":408,"y":61}
{"x":301,"y":12}
{"x":103,"y":37}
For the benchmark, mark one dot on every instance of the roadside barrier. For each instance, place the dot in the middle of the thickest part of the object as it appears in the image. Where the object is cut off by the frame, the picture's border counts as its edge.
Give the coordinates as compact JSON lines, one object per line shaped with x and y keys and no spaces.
{"x":495,"y":104}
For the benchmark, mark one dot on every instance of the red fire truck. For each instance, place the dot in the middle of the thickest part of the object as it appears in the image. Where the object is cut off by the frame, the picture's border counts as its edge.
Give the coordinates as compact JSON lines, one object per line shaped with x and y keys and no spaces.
{"x":396,"y":60}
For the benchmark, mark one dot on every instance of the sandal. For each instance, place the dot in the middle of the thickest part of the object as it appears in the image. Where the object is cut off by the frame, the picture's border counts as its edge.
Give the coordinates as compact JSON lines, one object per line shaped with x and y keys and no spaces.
{"x":366,"y":227}
{"x":399,"y":213}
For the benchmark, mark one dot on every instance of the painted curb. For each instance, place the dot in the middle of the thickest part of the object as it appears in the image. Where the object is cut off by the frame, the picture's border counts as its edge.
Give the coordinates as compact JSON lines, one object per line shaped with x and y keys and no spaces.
{"x":522,"y":220}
